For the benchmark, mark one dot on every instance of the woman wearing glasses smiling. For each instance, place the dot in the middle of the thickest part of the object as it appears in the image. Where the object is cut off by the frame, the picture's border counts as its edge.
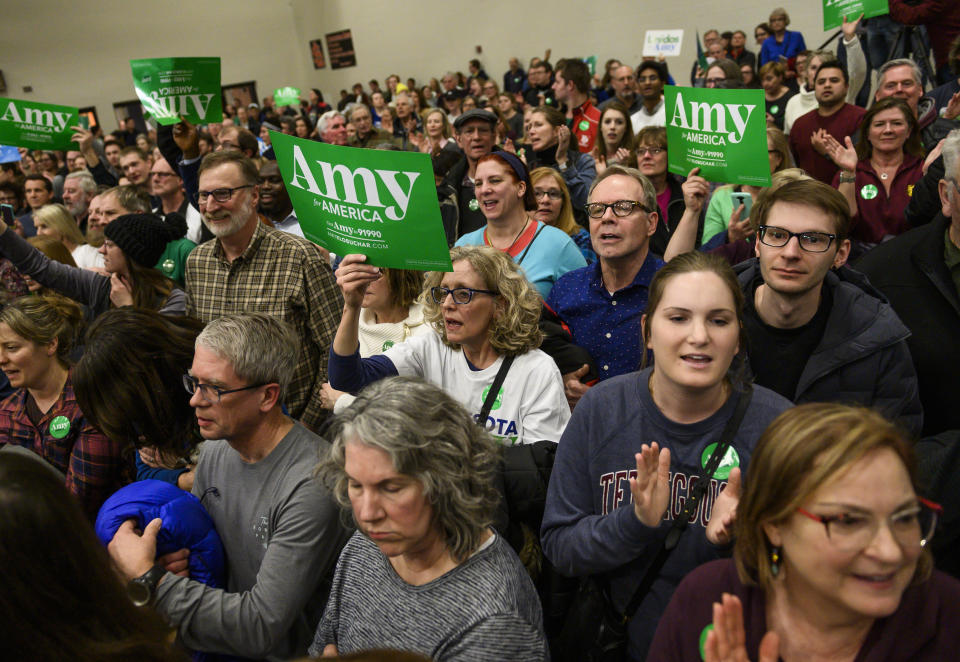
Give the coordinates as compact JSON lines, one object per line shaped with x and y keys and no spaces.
{"x":483,"y":312}
{"x":831,"y":558}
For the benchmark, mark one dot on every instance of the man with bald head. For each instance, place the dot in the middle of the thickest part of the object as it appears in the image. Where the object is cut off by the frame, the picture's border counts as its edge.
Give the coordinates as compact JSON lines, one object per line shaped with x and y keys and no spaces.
{"x":624,"y":84}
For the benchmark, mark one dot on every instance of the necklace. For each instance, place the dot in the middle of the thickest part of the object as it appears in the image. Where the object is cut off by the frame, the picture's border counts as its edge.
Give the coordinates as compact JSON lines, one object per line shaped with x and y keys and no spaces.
{"x":507,"y":249}
{"x":883,"y":174}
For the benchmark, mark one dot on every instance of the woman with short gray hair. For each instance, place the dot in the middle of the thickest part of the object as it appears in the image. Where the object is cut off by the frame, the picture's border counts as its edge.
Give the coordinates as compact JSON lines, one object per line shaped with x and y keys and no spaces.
{"x":417,"y":473}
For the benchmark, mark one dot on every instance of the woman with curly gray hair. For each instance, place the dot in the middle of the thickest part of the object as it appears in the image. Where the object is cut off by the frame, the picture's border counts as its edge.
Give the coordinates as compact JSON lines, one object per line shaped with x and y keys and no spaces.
{"x":417,"y":474}
{"x":485,"y":315}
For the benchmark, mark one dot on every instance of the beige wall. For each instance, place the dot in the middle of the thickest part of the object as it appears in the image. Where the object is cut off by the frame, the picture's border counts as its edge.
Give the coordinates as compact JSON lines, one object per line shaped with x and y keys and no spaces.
{"x":78,"y":53}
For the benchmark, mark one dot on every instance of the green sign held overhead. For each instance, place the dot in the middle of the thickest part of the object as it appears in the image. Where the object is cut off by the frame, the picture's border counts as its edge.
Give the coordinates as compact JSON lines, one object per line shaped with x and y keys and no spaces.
{"x":286,"y":96}
{"x":37,"y":125}
{"x":835,"y":10}
{"x":380,"y":203}
{"x":722,"y":132}
{"x":173,"y":87}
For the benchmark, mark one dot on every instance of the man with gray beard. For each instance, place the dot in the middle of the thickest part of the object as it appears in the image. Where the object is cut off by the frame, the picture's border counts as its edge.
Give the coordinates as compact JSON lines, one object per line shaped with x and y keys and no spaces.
{"x":78,"y":190}
{"x":250,"y":267}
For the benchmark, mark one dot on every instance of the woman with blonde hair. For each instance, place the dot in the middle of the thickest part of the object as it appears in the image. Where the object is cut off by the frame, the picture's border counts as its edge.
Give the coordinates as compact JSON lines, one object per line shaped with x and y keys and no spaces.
{"x":831,"y":559}
{"x":436,"y":132}
{"x":57,"y":222}
{"x":37,"y":334}
{"x":485,"y":317}
{"x":554,"y":208}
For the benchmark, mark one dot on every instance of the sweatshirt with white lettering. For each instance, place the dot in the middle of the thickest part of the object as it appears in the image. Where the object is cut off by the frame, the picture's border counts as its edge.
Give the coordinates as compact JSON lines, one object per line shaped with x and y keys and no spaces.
{"x":589,"y":526}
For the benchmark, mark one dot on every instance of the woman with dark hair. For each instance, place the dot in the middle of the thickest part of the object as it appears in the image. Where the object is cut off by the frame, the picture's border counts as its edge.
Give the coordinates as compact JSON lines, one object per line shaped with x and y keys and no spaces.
{"x":775,"y":93}
{"x":617,"y":142}
{"x":749,"y":75}
{"x":723,"y":74}
{"x":638,"y":443}
{"x":43,"y":415}
{"x":877,"y":176}
{"x":832,"y":557}
{"x":62,"y":598}
{"x":549,"y":142}
{"x":505,"y":195}
{"x":302,"y":127}
{"x":425,"y":571}
{"x":133,"y":245}
{"x":760,"y":33}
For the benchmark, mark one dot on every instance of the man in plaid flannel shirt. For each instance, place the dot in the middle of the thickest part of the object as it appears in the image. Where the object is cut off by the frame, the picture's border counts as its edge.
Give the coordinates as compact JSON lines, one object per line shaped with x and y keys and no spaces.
{"x":250,"y":267}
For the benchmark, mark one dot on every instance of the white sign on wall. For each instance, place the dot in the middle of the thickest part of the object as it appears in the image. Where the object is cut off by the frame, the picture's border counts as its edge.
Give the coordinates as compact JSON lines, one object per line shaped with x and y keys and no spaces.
{"x":663,"y":42}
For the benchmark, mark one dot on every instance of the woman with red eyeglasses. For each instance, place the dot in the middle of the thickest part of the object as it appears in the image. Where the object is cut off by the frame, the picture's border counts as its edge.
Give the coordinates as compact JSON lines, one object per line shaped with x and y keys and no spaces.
{"x":831,"y":560}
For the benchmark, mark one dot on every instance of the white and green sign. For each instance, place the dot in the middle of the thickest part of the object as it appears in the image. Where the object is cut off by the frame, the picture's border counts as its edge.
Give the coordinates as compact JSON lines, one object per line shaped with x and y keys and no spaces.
{"x":662,"y":42}
{"x":37,"y":125}
{"x":380,"y":203}
{"x":835,"y":10}
{"x":286,"y":96}
{"x":722,"y":132}
{"x":171,"y":88}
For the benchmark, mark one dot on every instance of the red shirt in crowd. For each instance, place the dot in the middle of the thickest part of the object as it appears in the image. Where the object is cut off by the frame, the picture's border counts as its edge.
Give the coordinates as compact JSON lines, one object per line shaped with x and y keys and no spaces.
{"x":586,"y":125}
{"x":841,"y":124}
{"x":880,"y":214}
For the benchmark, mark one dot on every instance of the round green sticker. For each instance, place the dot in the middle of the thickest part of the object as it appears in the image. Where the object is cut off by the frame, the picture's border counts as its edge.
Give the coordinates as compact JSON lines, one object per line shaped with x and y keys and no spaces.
{"x":584,"y":125}
{"x":868,"y":192}
{"x":59,"y":427}
{"x":774,"y":110}
{"x":168,"y":266}
{"x":703,"y":641}
{"x":497,"y":402}
{"x":729,"y":460}
{"x":387,"y":344}
{"x":474,"y":205}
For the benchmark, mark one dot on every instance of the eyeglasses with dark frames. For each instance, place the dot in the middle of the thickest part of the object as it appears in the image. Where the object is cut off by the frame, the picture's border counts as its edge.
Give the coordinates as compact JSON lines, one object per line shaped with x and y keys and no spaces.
{"x":553,"y":194}
{"x":221,"y":194}
{"x":461,"y":295}
{"x":212,"y":393}
{"x":812,"y":242}
{"x":620,"y":208}
{"x":912,"y":527}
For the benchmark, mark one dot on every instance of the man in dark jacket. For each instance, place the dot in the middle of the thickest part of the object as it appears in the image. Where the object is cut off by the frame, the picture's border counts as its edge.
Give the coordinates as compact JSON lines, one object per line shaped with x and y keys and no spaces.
{"x":919,"y":272}
{"x":475,"y":134}
{"x":817,"y":331}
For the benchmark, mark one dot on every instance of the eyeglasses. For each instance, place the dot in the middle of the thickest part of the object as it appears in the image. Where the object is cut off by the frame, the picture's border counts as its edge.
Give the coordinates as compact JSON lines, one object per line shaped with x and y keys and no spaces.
{"x":209,"y":392}
{"x":221,"y":194}
{"x":620,"y":208}
{"x":912,"y":527}
{"x":716,"y":81}
{"x":812,"y":242}
{"x":553,"y":194}
{"x":652,"y":151}
{"x":461,"y":295}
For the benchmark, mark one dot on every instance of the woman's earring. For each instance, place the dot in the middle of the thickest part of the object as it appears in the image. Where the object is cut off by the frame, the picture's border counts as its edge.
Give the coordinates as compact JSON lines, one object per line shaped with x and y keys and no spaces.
{"x":775,"y":561}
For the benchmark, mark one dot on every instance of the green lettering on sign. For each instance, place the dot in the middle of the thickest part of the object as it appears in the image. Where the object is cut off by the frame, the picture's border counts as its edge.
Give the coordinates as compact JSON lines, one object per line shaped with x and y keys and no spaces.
{"x":173,"y":87}
{"x":835,"y":10}
{"x":59,"y":427}
{"x":286,"y":96}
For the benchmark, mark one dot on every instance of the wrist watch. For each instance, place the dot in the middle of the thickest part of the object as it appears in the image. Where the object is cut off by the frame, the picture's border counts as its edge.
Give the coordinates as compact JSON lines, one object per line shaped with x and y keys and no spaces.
{"x":846,"y":177}
{"x":142,"y":589}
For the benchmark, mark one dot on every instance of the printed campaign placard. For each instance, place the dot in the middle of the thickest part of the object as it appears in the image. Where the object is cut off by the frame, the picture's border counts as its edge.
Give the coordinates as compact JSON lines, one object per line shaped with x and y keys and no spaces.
{"x":662,"y":42}
{"x":835,"y":10}
{"x":37,"y":125}
{"x":173,"y":87}
{"x":380,"y":203}
{"x":722,"y":132}
{"x":286,"y":96}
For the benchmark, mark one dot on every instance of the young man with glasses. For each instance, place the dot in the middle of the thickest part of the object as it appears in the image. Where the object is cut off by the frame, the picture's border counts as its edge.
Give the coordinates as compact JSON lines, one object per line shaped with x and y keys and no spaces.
{"x":251,"y":267}
{"x":818,"y":331}
{"x":601,"y":304}
{"x":280,"y":529}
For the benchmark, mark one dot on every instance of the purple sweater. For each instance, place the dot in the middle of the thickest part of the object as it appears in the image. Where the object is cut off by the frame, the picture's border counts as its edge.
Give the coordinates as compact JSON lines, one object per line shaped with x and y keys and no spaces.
{"x":923,"y":629}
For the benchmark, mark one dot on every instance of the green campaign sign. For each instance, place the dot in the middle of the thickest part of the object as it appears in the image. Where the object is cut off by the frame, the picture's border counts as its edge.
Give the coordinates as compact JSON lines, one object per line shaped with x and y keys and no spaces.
{"x":380,"y":203}
{"x":37,"y":125}
{"x":286,"y":96}
{"x":835,"y":10}
{"x":722,"y":132}
{"x":173,"y":87}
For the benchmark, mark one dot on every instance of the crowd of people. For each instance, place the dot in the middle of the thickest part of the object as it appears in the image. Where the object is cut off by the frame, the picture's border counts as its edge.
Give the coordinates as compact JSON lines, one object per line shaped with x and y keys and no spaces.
{"x":724,"y":413}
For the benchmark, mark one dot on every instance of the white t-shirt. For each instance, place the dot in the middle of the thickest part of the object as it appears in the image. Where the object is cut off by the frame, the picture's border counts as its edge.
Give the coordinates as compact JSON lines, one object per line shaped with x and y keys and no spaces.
{"x":87,"y":257}
{"x":531,"y":405}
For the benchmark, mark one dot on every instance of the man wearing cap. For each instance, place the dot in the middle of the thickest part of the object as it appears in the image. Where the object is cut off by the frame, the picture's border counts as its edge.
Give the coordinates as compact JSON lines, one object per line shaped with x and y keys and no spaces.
{"x":476,"y":134}
{"x":451,"y":101}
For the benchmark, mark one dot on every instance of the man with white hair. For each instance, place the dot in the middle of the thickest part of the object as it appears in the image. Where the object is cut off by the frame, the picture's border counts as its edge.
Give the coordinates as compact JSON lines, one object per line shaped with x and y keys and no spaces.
{"x":79,"y":188}
{"x":902,"y":79}
{"x":332,"y":127}
{"x":919,"y":272}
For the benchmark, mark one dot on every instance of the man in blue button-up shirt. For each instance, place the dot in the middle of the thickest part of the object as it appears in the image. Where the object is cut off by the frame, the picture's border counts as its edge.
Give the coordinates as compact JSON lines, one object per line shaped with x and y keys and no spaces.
{"x":601,"y":304}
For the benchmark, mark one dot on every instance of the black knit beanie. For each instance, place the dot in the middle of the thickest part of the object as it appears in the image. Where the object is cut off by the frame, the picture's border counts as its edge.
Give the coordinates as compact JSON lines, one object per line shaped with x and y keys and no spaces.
{"x":141,"y":237}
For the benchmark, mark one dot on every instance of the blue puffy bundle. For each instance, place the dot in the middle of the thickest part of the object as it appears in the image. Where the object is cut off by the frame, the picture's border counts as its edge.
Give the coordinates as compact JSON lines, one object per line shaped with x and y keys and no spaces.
{"x":186,"y":524}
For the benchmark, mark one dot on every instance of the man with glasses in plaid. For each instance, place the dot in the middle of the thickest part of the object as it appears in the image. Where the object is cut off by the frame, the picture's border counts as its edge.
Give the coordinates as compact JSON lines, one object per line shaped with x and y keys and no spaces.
{"x":816,"y":330}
